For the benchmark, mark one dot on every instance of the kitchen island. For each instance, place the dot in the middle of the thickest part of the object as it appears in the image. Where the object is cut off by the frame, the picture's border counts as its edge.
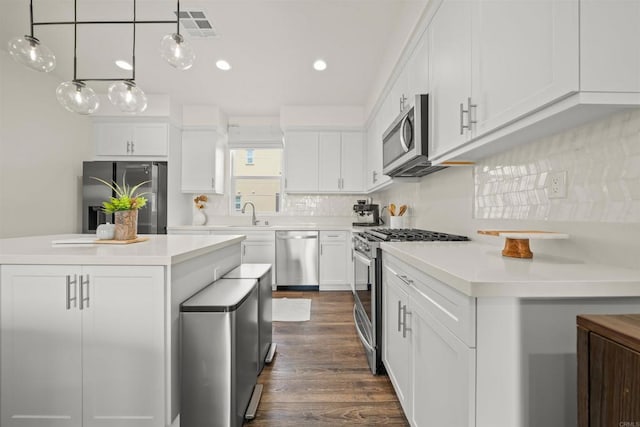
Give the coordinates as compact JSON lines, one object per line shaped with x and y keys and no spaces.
{"x":90,"y":332}
{"x":472,"y":338}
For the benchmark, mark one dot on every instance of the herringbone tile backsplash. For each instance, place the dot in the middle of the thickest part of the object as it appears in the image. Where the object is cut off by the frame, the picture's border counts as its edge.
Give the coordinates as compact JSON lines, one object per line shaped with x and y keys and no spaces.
{"x":602,"y":161}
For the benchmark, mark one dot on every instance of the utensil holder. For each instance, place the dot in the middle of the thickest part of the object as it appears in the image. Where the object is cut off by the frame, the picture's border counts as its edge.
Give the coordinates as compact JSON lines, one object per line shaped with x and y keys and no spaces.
{"x":396,"y":221}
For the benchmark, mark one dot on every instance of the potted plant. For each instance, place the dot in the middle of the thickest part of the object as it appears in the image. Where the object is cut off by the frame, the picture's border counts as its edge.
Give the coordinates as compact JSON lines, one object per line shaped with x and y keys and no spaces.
{"x":124,"y":205}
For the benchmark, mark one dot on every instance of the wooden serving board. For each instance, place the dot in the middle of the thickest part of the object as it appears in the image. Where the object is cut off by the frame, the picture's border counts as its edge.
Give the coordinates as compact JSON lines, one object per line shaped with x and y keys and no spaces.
{"x":516,"y":244}
{"x":92,"y":240}
{"x":122,"y":242}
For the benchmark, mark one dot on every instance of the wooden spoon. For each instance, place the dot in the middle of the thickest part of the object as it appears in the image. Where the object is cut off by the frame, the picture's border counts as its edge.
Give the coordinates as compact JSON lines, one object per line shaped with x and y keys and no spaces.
{"x":392,"y":209}
{"x":403,"y":209}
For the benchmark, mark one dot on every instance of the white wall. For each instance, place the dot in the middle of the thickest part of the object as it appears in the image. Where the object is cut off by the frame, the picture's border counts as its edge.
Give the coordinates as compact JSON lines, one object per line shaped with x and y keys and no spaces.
{"x":603,"y":224}
{"x":42,"y":147}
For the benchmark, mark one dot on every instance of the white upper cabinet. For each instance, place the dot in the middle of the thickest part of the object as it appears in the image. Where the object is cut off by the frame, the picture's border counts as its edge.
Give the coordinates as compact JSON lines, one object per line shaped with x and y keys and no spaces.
{"x":301,"y":162}
{"x":352,"y":162}
{"x":329,"y":157}
{"x":450,"y":76}
{"x":325,"y":162}
{"x":609,"y":51}
{"x":525,"y":56}
{"x":418,"y":68}
{"x":505,"y":72}
{"x":131,"y":138}
{"x":203,"y":157}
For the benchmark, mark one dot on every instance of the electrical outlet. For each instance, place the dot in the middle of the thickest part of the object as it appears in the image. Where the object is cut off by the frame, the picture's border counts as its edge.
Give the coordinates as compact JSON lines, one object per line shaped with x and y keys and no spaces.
{"x":557,"y":185}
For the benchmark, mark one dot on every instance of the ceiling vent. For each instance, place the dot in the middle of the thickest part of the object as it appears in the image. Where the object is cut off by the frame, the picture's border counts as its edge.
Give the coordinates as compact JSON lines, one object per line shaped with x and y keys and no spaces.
{"x":196,"y":24}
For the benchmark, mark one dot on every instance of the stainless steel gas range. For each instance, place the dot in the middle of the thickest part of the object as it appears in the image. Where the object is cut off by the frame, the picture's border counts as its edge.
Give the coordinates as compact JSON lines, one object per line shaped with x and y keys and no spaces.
{"x":367,"y":287}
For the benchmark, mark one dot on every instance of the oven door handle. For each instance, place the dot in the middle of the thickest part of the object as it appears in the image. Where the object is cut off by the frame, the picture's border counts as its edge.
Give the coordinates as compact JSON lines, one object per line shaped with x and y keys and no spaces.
{"x":360,"y":334}
{"x":366,"y":261}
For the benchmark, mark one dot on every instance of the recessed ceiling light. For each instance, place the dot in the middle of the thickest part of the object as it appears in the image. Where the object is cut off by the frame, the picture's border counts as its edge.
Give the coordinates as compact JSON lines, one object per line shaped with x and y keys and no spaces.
{"x":223,"y":65}
{"x":121,"y":63}
{"x":320,"y":65}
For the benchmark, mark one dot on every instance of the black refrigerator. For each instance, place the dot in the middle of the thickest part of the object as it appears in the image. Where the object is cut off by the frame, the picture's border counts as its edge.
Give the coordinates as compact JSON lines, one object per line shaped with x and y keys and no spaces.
{"x":152,"y":218}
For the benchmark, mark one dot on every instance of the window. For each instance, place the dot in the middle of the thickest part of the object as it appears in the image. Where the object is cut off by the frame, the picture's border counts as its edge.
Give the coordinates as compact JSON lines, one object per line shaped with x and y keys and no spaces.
{"x":256,"y":176}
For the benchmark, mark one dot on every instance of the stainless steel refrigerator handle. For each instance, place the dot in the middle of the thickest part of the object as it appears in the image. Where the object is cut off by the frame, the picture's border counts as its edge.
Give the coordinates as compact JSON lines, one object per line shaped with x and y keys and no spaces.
{"x":73,"y":282}
{"x":296,"y":237}
{"x":84,"y":299}
{"x":360,"y":334}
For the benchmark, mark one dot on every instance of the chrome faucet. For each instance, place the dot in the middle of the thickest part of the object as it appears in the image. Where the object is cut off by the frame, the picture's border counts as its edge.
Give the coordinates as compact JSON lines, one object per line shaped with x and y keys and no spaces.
{"x":254,"y":221}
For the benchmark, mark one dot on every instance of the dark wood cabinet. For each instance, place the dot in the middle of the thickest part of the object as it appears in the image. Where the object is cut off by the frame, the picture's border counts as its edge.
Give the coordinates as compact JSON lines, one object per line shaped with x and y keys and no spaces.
{"x":609,"y":370}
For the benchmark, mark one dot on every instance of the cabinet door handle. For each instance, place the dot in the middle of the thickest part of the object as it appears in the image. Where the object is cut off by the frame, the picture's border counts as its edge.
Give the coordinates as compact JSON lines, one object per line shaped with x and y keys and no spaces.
{"x":133,"y":147}
{"x":375,"y":176}
{"x":469,"y":116}
{"x":399,"y":316}
{"x":405,"y":279}
{"x":128,"y":147}
{"x":213,"y":183}
{"x":404,"y":321}
{"x":462,"y":125}
{"x":286,"y":185}
{"x":244,"y":249}
{"x":339,"y":183}
{"x":321,"y":245}
{"x":84,"y":298}
{"x":73,"y":282}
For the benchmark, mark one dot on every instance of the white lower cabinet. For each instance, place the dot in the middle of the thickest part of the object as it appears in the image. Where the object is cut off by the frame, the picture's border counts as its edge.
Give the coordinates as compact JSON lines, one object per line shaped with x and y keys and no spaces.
{"x":396,"y":339}
{"x":259,"y":247}
{"x":82,"y":346}
{"x":335,"y":261}
{"x":432,"y":370}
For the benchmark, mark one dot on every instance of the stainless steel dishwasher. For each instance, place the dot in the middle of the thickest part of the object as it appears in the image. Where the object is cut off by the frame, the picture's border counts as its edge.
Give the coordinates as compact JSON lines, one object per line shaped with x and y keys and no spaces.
{"x":297,"y":259}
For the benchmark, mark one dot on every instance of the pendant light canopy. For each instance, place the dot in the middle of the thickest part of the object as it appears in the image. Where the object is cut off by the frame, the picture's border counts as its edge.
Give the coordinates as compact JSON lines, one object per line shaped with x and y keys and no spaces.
{"x":29,"y":51}
{"x":127,"y":97}
{"x":75,"y":95}
{"x":177,"y":52}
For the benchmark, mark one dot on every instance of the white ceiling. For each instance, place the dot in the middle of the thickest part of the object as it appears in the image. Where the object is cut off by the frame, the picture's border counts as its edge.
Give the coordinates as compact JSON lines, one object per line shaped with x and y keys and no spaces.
{"x":271,"y":45}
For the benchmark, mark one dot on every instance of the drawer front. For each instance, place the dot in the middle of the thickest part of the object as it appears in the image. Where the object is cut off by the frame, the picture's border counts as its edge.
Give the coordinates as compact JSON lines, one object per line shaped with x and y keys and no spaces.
{"x":454,"y":310}
{"x":333,"y":236}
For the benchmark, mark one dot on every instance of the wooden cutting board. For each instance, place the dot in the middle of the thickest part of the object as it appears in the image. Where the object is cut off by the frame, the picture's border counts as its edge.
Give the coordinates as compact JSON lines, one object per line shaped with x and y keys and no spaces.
{"x":516,"y":244}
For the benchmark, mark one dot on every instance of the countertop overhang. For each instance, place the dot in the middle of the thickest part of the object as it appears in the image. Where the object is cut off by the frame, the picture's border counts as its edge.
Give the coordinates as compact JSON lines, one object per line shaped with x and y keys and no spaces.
{"x":480,"y":270}
{"x":158,"y":250}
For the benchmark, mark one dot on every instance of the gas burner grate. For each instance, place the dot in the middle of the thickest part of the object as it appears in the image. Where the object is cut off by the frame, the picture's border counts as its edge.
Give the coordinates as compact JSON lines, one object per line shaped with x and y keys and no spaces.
{"x":414,"y":235}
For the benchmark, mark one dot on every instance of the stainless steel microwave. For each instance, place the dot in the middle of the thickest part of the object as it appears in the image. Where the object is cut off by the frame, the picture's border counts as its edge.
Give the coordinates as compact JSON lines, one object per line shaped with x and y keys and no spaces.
{"x":405,"y":144}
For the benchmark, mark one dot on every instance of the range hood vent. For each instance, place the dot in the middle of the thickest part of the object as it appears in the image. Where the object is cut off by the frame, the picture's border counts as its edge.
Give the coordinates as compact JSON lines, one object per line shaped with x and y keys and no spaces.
{"x":417,"y":167}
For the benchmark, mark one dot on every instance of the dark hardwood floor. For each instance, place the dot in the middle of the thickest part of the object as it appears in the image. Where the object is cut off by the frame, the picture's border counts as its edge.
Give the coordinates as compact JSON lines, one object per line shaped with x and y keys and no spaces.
{"x":320,"y":376}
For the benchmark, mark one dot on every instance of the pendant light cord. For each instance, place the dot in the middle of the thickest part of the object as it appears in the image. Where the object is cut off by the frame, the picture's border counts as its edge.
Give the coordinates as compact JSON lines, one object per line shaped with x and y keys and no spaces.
{"x":75,"y":39}
{"x":31,"y":16}
{"x":178,"y":18}
{"x":133,"y":57}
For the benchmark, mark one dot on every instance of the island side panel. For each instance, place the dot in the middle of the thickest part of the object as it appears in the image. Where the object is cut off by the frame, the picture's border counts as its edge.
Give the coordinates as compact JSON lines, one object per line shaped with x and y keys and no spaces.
{"x":185,"y":279}
{"x":526,"y":358}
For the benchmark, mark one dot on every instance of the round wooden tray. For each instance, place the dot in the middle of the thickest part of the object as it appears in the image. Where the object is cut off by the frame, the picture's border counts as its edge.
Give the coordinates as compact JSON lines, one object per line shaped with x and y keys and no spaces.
{"x":516,"y":244}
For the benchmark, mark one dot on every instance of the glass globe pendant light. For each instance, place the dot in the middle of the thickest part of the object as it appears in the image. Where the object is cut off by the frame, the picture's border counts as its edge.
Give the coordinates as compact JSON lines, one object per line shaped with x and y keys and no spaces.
{"x":177,"y":52}
{"x":29,"y":51}
{"x":127,"y":97}
{"x":77,"y":97}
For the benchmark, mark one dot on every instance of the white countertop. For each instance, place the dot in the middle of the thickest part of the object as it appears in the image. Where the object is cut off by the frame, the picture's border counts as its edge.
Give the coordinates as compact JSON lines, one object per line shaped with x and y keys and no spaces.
{"x":158,"y":250}
{"x":480,"y":270}
{"x":243,"y":228}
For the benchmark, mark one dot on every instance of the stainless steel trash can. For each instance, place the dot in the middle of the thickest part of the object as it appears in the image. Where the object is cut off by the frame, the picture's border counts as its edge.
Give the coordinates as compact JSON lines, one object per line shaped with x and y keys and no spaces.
{"x":262,"y":273}
{"x":219,"y":340}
